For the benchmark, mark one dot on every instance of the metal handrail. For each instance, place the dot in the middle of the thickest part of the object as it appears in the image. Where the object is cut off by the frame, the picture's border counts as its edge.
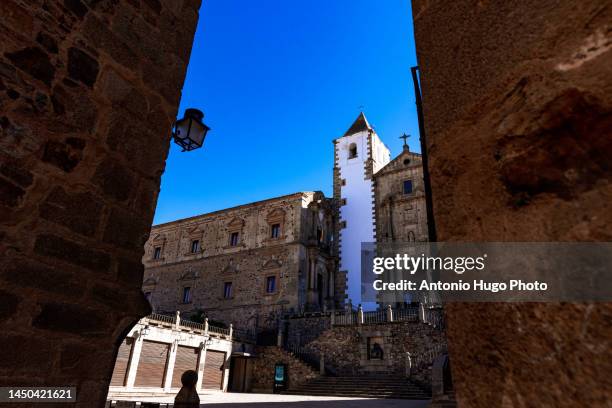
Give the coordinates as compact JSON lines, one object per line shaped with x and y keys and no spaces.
{"x":218,"y":330}
{"x":162,"y":318}
{"x":378,"y":316}
{"x":192,"y":325}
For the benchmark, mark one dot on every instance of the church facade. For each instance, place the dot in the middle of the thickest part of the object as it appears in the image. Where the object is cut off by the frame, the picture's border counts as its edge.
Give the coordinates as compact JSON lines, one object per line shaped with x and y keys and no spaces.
{"x":251,"y":264}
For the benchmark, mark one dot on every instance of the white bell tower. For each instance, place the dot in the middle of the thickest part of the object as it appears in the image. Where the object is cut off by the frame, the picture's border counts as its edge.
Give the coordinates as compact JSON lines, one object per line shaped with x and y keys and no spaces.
{"x":359,"y":153}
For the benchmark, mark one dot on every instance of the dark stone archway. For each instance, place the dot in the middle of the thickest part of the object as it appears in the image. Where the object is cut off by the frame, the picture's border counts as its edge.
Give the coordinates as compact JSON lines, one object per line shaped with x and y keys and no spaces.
{"x":88,"y":92}
{"x":518,"y":112}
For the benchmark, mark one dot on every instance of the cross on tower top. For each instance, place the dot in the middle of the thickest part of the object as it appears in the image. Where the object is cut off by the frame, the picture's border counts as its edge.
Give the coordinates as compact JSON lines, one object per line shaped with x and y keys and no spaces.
{"x":405,"y":137}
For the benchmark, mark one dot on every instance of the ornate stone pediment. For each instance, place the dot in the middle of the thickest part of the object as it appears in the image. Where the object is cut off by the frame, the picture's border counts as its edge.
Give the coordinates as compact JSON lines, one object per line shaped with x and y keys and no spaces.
{"x":150,"y":282}
{"x":272,"y":263}
{"x":194,"y":232}
{"x":230,"y":268}
{"x":235,"y":224}
{"x":189,"y":275}
{"x":277,"y":214}
{"x":158,"y":239}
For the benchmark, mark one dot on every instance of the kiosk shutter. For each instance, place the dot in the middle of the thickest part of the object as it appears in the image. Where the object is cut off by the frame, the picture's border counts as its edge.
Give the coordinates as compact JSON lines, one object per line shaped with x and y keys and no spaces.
{"x":186,"y":359}
{"x":213,"y":370}
{"x":152,"y":364}
{"x":121,"y":363}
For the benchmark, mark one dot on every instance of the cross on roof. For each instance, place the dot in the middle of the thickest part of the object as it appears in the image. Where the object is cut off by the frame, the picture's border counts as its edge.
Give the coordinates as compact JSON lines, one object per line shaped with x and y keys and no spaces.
{"x":405,"y":137}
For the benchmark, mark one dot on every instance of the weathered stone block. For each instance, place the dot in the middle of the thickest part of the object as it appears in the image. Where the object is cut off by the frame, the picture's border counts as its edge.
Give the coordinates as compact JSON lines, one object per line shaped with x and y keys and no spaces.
{"x":70,"y":318}
{"x":71,"y":252}
{"x":98,"y":34}
{"x":16,"y":17}
{"x":65,"y":156}
{"x":130,"y":272}
{"x":87,"y":361}
{"x":10,"y":194}
{"x":16,"y":173}
{"x":35,"y":62}
{"x":122,"y":94}
{"x":76,"y":7}
{"x":110,"y":296}
{"x":39,"y":352}
{"x":9,"y":303}
{"x":82,"y":67}
{"x":124,"y":230}
{"x":78,"y":211}
{"x":116,"y":180}
{"x":47,"y":41}
{"x":31,"y":274}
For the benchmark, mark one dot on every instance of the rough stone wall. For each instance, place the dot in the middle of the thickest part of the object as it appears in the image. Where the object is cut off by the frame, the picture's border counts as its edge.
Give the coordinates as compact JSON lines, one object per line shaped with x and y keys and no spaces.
{"x":246,"y":265}
{"x":263,"y":369}
{"x":249,"y":306}
{"x":304,"y":329}
{"x":345,"y":347}
{"x":88,"y":92}
{"x":518,"y":116}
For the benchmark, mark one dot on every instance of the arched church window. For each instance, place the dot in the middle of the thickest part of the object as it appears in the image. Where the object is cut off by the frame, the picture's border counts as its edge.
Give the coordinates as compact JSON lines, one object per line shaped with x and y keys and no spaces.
{"x":352,"y":151}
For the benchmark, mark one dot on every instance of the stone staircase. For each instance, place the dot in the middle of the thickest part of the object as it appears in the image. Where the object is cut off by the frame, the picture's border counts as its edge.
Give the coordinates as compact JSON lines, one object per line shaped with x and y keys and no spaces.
{"x":446,"y":401}
{"x":362,"y":387}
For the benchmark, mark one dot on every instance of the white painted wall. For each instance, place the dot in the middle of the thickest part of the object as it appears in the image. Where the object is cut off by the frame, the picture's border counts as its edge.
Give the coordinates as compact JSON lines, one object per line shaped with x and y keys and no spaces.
{"x":173,"y":337}
{"x":359,"y":203}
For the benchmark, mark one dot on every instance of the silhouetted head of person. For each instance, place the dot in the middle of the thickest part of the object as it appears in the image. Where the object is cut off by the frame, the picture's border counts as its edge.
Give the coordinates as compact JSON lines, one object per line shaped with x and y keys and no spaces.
{"x":189,"y":379}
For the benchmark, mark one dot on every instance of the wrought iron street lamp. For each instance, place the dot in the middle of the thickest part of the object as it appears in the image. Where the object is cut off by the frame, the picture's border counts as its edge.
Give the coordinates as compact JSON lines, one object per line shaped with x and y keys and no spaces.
{"x":189,"y":132}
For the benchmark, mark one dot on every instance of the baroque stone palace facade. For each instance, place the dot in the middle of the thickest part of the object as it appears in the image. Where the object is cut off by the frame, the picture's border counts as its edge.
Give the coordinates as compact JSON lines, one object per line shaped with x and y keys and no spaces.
{"x":251,"y":264}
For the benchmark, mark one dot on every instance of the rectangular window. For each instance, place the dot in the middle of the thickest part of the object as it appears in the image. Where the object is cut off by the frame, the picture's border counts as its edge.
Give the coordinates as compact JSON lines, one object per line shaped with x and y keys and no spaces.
{"x":275,"y":232}
{"x":187,"y":295}
{"x":271,"y":284}
{"x":157,"y":253}
{"x":195,"y":246}
{"x":407,"y":186}
{"x":234,"y":238}
{"x":227,"y":290}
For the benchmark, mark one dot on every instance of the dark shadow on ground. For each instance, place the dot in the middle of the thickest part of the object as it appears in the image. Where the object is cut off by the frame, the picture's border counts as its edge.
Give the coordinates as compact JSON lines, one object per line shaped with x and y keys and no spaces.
{"x":365,"y":403}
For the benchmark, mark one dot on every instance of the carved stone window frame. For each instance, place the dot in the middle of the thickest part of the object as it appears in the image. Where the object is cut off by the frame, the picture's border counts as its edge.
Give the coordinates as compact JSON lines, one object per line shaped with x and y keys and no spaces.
{"x":272,"y":267}
{"x":271,"y":273}
{"x":189,"y":278}
{"x":276,"y":216}
{"x":194,"y":234}
{"x":236,"y":225}
{"x":159,"y":241}
{"x":232,"y":283}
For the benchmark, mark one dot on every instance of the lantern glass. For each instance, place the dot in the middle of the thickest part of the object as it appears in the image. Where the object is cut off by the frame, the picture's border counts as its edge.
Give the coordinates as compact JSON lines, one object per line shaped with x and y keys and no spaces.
{"x":181,"y":129}
{"x":189,"y":132}
{"x":197,"y":133}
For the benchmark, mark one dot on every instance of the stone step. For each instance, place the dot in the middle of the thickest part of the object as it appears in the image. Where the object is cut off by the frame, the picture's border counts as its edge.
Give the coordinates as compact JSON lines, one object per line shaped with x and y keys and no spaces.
{"x":357,"y":392}
{"x":337,"y":380}
{"x":353,"y":395}
{"x":353,"y":387}
{"x":364,"y":384}
{"x":357,"y":389}
{"x":363,"y":387}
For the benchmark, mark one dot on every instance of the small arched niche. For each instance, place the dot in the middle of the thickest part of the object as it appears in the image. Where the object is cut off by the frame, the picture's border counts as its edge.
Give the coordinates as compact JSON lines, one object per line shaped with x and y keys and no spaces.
{"x":352,"y":151}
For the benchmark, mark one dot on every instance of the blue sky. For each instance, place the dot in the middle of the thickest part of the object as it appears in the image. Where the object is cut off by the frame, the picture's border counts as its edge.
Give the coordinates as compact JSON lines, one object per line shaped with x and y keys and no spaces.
{"x":278,"y":81}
